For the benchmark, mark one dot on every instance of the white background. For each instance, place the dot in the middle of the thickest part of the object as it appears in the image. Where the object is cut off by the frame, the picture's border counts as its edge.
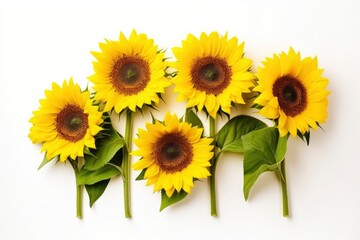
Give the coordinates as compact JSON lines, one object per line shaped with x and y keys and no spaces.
{"x":42,"y":42}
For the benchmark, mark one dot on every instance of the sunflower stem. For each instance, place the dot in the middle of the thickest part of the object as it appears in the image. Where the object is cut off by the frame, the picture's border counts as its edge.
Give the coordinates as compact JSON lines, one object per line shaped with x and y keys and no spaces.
{"x":212,"y":171}
{"x":284,"y":190}
{"x":79,"y":188}
{"x":126,"y":163}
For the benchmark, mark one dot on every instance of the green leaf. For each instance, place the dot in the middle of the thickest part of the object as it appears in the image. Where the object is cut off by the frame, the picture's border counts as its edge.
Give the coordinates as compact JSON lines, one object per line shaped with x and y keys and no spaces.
{"x":96,"y":190}
{"x":175,"y":197}
{"x":85,"y":176}
{"x":193,"y":118}
{"x":141,"y":175}
{"x":118,"y":158}
{"x":263,"y":151}
{"x":229,"y":139}
{"x":106,"y":149}
{"x":44,"y":162}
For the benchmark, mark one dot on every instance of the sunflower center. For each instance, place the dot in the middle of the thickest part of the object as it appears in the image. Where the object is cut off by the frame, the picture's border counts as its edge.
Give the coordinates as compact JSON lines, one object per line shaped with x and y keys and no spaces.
{"x":291,"y":95}
{"x":173,"y":153}
{"x":130,"y":75}
{"x":72,"y":123}
{"x":210,"y":74}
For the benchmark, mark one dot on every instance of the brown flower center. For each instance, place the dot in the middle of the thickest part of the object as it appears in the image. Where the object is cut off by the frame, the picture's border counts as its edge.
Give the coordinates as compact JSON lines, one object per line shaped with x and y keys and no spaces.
{"x":173,"y":152}
{"x":130,"y":75}
{"x":291,"y":95}
{"x":72,"y":123}
{"x":211,"y":75}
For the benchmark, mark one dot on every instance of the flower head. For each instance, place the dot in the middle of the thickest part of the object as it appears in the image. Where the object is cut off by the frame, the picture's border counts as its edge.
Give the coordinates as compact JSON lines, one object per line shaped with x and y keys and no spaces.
{"x":212,"y":72}
{"x":293,"y":92}
{"x":129,"y":73}
{"x":66,"y":122}
{"x":173,"y":154}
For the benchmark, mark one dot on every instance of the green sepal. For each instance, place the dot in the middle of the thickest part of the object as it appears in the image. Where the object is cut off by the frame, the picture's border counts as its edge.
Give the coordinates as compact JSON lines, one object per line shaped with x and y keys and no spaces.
{"x":96,"y":190}
{"x":228,"y":139}
{"x":318,"y":124}
{"x":162,"y":50}
{"x":305,"y":137}
{"x":153,"y":119}
{"x":175,"y":197}
{"x":151,"y":106}
{"x":141,"y":175}
{"x":87,"y":151}
{"x":220,"y":112}
{"x":85,"y":176}
{"x":257,"y":106}
{"x":107,"y":148}
{"x":191,"y":117}
{"x":264,"y":150}
{"x":161,"y":98}
{"x":44,"y":162}
{"x":171,"y":74}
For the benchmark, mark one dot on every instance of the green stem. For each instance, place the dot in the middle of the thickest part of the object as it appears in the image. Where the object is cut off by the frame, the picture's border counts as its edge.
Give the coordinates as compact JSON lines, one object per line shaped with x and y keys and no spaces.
{"x":126,"y":163}
{"x":79,"y":189}
{"x":212,"y":127}
{"x":212,"y":171}
{"x":214,"y":162}
{"x":284,"y":190}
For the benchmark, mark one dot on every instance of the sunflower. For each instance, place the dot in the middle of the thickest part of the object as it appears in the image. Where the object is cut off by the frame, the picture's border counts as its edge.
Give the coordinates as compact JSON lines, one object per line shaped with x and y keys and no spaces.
{"x":129,"y":73}
{"x":293,"y":92}
{"x":66,"y":122}
{"x":212,"y":72}
{"x":173,"y":154}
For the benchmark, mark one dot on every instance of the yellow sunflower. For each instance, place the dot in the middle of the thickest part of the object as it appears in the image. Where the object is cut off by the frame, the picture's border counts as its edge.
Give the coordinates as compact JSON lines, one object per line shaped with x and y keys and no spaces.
{"x":212,"y":72}
{"x":293,"y":92}
{"x":129,"y":73}
{"x":66,"y":122}
{"x":173,"y":154}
